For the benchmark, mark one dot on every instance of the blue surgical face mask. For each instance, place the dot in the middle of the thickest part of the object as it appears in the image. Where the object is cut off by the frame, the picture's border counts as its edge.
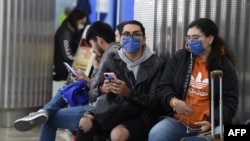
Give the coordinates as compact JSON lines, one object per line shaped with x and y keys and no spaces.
{"x":131,"y":44}
{"x":195,"y":46}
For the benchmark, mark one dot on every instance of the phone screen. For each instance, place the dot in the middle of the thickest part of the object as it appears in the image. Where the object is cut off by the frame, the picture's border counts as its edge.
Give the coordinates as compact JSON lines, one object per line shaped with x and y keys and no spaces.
{"x":71,"y":70}
{"x":194,"y":129}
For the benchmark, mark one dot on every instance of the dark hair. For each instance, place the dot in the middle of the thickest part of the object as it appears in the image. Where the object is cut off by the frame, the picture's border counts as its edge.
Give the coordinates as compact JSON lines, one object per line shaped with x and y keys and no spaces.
{"x":75,"y":15}
{"x":136,"y":23}
{"x":218,"y":47}
{"x":119,"y":27}
{"x":102,"y":30}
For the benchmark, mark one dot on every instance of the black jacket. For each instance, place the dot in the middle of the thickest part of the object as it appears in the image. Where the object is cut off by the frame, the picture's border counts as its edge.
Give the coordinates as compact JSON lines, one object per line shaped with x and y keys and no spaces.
{"x":65,"y":48}
{"x":173,"y":78}
{"x":143,"y":94}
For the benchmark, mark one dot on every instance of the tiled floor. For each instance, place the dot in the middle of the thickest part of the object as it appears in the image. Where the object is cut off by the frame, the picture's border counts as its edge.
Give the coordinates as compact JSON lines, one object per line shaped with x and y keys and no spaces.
{"x":11,"y":134}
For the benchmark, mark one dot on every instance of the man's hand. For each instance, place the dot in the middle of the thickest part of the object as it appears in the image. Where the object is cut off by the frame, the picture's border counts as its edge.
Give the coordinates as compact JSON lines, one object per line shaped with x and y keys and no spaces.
{"x":96,"y":61}
{"x":116,"y":86}
{"x":120,"y":87}
{"x":85,"y":123}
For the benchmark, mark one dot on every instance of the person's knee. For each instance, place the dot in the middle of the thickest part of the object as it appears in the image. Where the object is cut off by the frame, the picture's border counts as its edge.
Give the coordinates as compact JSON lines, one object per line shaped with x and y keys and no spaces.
{"x":119,"y":133}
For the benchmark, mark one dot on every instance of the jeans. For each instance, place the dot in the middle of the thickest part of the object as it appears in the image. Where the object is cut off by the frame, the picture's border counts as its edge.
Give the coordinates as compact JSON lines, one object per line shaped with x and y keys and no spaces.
{"x":170,"y":129}
{"x":60,"y":117}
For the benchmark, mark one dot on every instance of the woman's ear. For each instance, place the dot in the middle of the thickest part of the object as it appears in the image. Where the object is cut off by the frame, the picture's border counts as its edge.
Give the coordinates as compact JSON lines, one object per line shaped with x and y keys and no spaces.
{"x":211,"y":39}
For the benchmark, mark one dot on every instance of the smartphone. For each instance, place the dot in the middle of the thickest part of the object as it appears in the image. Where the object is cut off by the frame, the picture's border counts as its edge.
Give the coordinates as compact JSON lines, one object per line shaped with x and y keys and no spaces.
{"x":194,"y":129}
{"x":110,"y":76}
{"x":71,"y":70}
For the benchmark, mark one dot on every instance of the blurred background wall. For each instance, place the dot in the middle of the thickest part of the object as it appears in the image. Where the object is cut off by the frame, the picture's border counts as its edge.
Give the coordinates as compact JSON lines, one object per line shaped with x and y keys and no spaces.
{"x":26,"y":49}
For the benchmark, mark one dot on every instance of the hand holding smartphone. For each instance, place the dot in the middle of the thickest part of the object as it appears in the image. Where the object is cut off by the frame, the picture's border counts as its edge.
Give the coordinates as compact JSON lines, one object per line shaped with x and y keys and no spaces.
{"x":191,"y":130}
{"x":70,"y":69}
{"x":110,"y":76}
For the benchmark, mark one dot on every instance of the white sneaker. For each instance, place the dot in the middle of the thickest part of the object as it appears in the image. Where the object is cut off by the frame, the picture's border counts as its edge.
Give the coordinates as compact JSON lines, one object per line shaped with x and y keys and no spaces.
{"x":32,"y":120}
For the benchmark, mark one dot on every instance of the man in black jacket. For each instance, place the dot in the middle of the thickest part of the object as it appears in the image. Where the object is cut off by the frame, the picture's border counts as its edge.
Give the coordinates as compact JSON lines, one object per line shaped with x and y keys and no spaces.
{"x":138,"y":70}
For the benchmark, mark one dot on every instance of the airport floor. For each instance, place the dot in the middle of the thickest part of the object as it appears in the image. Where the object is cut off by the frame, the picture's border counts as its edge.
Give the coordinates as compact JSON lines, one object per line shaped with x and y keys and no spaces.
{"x":11,"y":134}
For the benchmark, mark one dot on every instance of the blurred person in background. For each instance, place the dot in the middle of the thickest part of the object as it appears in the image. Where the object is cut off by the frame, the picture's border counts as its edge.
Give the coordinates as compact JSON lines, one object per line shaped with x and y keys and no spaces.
{"x":118,"y":31}
{"x":67,"y":39}
{"x":64,"y":15}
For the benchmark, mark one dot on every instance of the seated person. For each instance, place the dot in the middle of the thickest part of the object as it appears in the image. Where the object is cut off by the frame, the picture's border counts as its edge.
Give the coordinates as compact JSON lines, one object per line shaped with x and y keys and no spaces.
{"x":54,"y":115}
{"x":184,"y":88}
{"x":145,"y":67}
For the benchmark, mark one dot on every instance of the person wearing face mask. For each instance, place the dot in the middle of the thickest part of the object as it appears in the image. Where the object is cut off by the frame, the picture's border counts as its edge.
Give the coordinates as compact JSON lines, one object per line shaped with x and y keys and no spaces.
{"x":118,"y":32}
{"x":184,"y":88}
{"x":67,"y":39}
{"x":138,"y":70}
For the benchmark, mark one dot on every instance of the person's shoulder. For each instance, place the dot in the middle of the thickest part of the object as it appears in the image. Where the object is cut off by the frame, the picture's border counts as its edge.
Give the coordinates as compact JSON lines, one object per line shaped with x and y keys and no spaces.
{"x":227,"y":63}
{"x":65,"y":33}
{"x":180,"y":51}
{"x":157,"y":57}
{"x":114,"y":46}
{"x":155,"y":61}
{"x":111,"y":52}
{"x":180,"y":54}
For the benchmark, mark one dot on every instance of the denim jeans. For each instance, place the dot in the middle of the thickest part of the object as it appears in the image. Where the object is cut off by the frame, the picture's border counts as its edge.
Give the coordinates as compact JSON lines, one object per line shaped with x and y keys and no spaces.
{"x":60,"y":117}
{"x":170,"y":129}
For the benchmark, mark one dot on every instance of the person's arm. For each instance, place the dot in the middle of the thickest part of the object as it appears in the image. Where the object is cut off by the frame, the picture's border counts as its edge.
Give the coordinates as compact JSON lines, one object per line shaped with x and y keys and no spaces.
{"x":97,"y":78}
{"x":81,"y":76}
{"x":95,"y":64}
{"x":172,"y":80}
{"x":65,"y":44}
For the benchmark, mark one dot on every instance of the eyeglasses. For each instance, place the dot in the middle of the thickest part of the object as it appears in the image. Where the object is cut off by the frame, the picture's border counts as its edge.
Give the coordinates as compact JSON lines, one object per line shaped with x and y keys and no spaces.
{"x":193,"y":37}
{"x":134,"y":35}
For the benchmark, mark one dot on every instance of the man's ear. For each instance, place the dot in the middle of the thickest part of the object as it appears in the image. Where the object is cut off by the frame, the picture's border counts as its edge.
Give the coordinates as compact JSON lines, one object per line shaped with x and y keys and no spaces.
{"x":144,"y":40}
{"x":99,"y":40}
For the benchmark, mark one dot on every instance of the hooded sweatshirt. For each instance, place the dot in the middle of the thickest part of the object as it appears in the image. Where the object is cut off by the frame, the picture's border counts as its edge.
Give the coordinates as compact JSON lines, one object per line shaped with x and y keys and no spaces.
{"x":134,"y":66}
